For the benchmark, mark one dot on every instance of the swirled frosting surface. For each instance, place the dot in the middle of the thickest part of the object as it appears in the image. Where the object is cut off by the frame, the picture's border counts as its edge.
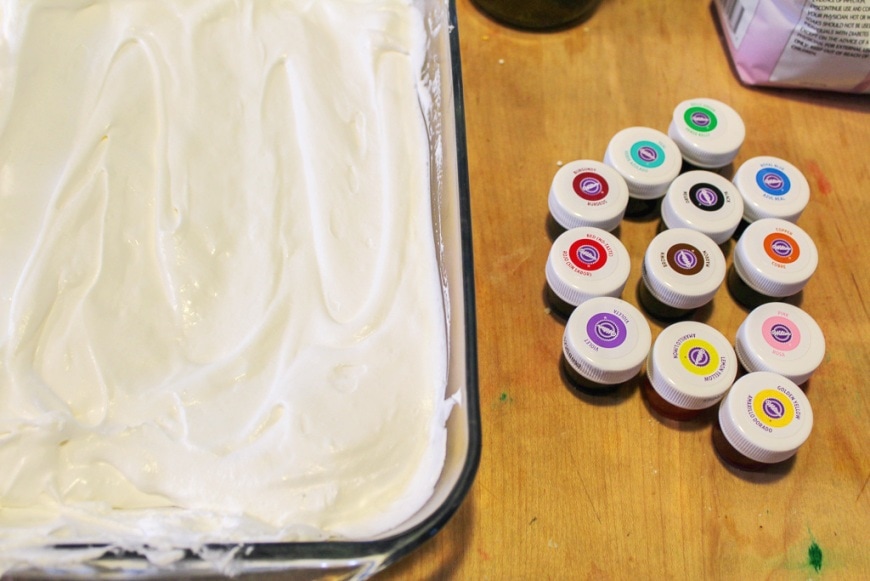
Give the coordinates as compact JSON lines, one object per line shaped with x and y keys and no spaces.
{"x":221,"y":316}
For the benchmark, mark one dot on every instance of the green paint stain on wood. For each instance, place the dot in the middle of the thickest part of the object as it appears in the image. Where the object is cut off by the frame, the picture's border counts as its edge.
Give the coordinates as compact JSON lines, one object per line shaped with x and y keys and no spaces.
{"x":814,"y":553}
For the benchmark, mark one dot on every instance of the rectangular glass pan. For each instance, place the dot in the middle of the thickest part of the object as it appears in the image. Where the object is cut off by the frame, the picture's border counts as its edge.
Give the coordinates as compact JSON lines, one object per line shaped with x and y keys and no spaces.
{"x":363,"y":558}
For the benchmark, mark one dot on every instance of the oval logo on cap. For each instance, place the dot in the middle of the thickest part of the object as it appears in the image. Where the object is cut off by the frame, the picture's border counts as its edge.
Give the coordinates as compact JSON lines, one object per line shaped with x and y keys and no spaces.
{"x":781,"y":247}
{"x":590,"y":187}
{"x":706,"y":197}
{"x":685,"y":259}
{"x":647,"y":154}
{"x":780,"y":333}
{"x":772,"y":181}
{"x":587,"y":254}
{"x":699,"y":356}
{"x":773,"y":408}
{"x":700,"y":119}
{"x":606,"y":330}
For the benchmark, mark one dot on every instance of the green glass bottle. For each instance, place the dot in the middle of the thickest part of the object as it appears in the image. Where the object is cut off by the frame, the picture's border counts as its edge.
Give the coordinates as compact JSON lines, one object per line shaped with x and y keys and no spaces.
{"x":538,"y":14}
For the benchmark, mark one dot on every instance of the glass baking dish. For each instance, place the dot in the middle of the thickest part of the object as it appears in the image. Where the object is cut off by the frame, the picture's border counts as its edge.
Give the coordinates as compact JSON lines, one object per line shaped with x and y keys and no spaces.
{"x":360,"y":559}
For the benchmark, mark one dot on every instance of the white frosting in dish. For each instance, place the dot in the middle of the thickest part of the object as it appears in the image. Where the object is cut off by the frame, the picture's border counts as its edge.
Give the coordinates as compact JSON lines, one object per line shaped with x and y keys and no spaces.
{"x":222,"y":316}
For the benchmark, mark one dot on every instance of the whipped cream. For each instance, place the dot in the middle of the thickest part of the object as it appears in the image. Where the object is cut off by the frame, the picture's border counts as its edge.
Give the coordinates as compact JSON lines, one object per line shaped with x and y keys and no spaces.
{"x":222,"y":316}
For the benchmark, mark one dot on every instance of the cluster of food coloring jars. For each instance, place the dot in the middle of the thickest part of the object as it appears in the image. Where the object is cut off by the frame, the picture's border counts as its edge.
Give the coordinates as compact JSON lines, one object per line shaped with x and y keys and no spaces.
{"x":764,"y":416}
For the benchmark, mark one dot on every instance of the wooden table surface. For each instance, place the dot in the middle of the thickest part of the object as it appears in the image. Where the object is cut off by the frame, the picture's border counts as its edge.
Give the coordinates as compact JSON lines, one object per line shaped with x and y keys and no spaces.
{"x":602,"y":488}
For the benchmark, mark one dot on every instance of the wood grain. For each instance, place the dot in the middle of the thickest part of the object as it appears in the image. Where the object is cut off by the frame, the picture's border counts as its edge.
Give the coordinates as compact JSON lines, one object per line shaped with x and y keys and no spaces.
{"x":601,"y":488}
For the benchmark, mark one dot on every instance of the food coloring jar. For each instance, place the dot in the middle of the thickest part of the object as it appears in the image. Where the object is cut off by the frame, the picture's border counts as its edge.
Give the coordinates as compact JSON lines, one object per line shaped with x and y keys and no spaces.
{"x":682,"y":270}
{"x":771,"y":188}
{"x":708,"y":132}
{"x":689,"y":369}
{"x":585,"y":263}
{"x":763,"y":420}
{"x":605,"y":343}
{"x":773,"y":259}
{"x":588,"y":193}
{"x":649,"y":161}
{"x":704,"y":201}
{"x":783,"y":339}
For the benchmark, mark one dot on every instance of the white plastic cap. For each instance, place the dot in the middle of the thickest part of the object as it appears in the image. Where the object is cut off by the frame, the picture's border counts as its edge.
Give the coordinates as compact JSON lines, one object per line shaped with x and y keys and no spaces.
{"x":766,"y":417}
{"x":683,"y":268}
{"x":775,"y":258}
{"x":585,"y":263}
{"x":606,"y":340}
{"x":703,"y":201}
{"x":783,"y":339}
{"x":771,"y":188}
{"x":691,"y":365}
{"x":709,"y":133}
{"x":588,"y":193}
{"x":648,"y":159}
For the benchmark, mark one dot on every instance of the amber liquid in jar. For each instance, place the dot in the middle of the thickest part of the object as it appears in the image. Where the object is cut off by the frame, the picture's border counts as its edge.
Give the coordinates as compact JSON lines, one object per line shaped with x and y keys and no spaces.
{"x":658,"y":309}
{"x":640,"y":209}
{"x":729,"y":453}
{"x":558,"y":306}
{"x":588,"y":386}
{"x":665,"y":408}
{"x":745,"y":294}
